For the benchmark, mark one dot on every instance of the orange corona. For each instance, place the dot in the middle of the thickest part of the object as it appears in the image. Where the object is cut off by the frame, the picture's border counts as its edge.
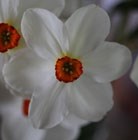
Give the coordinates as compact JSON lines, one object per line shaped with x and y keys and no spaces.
{"x":26,"y":107}
{"x":68,"y":69}
{"x":9,"y":37}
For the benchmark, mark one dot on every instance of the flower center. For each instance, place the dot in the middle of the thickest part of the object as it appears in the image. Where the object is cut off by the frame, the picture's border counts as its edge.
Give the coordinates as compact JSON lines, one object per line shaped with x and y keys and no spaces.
{"x":68,"y":69}
{"x":9,"y":37}
{"x":26,"y":107}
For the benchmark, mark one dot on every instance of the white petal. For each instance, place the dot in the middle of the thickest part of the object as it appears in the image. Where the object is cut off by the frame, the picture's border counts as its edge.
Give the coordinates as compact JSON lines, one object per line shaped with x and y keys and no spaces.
{"x":19,"y":128}
{"x":5,"y":96}
{"x":27,"y":71}
{"x":134,"y":73}
{"x":17,"y":93}
{"x":47,"y":108}
{"x":108,"y":62}
{"x":87,"y":28}
{"x":89,"y":100}
{"x":4,"y":58}
{"x":61,"y":133}
{"x":8,"y":10}
{"x":72,"y":121}
{"x":44,"y":32}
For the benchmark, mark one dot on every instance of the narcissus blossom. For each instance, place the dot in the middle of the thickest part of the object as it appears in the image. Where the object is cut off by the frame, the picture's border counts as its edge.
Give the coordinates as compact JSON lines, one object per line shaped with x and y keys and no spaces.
{"x":15,"y":125}
{"x":68,"y":66}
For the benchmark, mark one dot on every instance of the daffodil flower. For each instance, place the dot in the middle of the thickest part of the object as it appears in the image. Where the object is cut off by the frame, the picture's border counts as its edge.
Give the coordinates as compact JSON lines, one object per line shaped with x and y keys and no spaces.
{"x":11,"y":12}
{"x":69,"y":66}
{"x":16,"y":125}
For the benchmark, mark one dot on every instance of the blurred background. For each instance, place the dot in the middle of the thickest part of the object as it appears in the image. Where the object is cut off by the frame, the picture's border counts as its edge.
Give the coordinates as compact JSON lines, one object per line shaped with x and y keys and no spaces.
{"x":121,"y":123}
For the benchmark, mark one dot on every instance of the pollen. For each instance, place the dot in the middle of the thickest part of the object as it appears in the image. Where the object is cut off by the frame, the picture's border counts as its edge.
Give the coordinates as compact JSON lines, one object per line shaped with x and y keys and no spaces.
{"x":9,"y":37}
{"x":68,"y":69}
{"x":25,"y":107}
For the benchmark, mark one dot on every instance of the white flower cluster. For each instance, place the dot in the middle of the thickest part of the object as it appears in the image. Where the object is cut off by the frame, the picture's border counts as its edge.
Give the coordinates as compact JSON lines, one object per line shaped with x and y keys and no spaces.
{"x":65,"y":69}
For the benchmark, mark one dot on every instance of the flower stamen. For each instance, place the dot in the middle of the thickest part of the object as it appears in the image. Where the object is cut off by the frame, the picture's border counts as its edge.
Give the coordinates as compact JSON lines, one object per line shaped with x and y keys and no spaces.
{"x":9,"y":37}
{"x":68,"y":69}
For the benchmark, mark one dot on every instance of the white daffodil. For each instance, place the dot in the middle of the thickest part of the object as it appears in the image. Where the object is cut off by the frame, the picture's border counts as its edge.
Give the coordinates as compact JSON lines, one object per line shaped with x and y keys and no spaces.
{"x":15,"y":125}
{"x":69,"y":66}
{"x":11,"y":12}
{"x":134,"y":72}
